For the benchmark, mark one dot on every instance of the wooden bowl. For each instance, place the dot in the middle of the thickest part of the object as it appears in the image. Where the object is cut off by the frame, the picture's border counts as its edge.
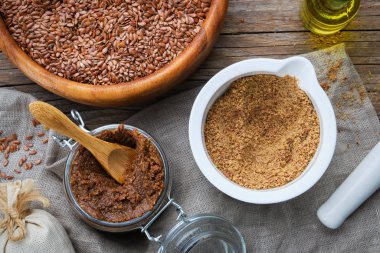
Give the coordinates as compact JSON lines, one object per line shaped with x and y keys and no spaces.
{"x":127,"y":93}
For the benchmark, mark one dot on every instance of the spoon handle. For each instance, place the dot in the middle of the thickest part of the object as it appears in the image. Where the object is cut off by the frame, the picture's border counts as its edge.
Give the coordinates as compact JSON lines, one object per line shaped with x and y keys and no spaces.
{"x":53,"y":118}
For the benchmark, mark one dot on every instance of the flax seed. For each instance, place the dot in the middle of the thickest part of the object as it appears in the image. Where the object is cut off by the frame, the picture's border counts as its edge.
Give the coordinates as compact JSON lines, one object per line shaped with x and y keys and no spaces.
{"x":35,"y":122}
{"x":33,"y":152}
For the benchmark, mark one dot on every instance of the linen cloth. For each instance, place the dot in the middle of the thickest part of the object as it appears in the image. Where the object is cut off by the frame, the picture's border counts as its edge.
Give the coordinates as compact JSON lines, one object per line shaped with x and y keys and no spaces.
{"x":291,"y":226}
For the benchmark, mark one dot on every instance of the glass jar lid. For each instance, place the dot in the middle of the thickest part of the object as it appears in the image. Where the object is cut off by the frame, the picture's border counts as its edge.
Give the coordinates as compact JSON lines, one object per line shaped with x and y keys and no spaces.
{"x":203,"y":233}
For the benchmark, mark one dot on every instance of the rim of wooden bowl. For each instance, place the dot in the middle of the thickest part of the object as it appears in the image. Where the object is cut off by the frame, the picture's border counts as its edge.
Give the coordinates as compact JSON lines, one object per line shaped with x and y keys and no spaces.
{"x":125,"y":93}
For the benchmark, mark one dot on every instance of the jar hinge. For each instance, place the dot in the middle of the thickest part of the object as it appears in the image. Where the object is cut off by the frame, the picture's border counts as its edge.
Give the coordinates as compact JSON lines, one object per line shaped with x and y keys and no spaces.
{"x":181,"y":216}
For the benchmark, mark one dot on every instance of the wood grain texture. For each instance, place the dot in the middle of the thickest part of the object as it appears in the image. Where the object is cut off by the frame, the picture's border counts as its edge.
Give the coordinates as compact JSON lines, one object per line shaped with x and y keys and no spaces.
{"x":252,"y":28}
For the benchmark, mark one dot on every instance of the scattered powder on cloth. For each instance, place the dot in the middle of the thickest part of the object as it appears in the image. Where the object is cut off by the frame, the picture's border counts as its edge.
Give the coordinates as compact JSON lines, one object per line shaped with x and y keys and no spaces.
{"x":333,"y":71}
{"x":263,"y":132}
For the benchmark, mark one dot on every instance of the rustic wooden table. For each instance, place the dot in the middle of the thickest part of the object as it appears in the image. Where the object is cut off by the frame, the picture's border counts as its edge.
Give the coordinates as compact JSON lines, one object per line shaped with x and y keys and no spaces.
{"x":253,"y":28}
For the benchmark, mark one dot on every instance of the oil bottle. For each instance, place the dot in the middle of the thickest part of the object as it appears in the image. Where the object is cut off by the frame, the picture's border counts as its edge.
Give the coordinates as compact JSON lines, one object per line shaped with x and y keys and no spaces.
{"x":326,"y":17}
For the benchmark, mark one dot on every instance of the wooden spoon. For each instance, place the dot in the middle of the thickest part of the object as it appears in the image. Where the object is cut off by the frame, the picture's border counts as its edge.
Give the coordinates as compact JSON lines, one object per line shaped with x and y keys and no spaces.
{"x":114,"y":158}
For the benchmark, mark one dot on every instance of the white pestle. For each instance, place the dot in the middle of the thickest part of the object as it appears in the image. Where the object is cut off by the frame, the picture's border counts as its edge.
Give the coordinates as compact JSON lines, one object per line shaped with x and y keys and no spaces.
{"x":358,"y":186}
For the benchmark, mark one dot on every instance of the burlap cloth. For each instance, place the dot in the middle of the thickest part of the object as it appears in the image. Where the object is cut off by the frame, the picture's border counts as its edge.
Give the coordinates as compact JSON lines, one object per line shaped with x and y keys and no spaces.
{"x":285,"y":227}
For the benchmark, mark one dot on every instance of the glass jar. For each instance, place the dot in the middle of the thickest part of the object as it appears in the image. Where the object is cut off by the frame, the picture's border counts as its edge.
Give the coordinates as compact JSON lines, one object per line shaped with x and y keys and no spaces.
{"x":199,"y":233}
{"x":326,"y":17}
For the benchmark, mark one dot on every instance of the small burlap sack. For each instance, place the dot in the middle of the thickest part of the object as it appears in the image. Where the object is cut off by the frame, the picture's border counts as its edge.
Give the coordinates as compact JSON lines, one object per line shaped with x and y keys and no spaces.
{"x":23,"y":229}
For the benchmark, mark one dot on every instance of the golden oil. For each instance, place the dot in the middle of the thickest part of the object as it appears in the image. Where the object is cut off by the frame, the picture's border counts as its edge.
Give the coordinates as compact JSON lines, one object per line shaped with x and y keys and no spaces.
{"x":326,"y":17}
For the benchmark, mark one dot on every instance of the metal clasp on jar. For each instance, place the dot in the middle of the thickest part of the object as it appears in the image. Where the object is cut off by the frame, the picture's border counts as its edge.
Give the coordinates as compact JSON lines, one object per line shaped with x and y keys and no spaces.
{"x":181,"y":216}
{"x":70,"y":142}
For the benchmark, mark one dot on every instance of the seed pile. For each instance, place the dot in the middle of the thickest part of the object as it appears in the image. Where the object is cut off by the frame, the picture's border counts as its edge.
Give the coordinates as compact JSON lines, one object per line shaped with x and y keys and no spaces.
{"x":12,"y":144}
{"x":263,"y":132}
{"x":103,"y":41}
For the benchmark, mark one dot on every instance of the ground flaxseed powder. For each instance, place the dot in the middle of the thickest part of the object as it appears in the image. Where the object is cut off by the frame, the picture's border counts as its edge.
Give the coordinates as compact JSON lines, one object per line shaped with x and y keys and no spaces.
{"x":263,"y":132}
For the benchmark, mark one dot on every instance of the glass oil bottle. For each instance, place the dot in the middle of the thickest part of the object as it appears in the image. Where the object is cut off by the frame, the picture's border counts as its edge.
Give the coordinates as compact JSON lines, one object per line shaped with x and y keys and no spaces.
{"x":325,"y":17}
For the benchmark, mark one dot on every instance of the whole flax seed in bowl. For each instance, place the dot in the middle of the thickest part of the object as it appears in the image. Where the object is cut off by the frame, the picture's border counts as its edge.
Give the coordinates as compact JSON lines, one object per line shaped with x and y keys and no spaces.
{"x":263,"y":132}
{"x":103,"y":41}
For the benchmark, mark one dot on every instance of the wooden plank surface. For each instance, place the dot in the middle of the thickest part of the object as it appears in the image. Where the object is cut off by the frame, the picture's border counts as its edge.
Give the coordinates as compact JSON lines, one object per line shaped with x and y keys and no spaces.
{"x":253,"y":28}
